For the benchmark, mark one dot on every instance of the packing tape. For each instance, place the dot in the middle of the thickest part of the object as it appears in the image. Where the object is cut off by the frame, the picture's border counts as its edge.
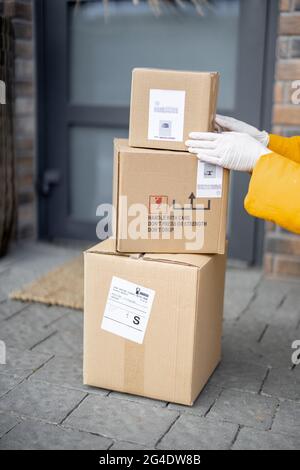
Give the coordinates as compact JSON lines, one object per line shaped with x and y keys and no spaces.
{"x":134,"y":367}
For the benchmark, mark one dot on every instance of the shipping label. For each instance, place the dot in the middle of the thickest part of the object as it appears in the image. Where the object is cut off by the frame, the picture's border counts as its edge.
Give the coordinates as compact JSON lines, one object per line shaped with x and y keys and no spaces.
{"x":127,"y":309}
{"x":166,"y":115}
{"x":209,"y":180}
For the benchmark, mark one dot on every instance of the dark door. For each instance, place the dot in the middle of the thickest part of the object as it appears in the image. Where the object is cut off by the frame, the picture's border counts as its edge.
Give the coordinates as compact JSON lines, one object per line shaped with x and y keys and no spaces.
{"x":85,"y":54}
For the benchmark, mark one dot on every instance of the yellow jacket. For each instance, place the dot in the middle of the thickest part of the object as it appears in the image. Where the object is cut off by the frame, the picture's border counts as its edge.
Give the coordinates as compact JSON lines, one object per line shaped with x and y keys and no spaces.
{"x":274,"y":189}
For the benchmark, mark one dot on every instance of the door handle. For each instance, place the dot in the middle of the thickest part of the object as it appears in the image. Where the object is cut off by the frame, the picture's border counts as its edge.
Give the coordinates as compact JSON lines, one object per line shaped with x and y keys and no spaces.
{"x":50,"y":178}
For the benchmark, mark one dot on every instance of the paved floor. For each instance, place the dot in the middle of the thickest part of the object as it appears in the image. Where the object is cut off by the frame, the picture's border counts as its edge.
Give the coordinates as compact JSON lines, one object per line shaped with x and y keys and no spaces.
{"x":251,"y":402}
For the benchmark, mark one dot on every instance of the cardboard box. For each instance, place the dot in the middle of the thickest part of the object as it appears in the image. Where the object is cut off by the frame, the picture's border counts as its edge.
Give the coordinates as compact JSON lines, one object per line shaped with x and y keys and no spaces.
{"x":160,"y":203}
{"x":166,"y":105}
{"x":153,"y":323}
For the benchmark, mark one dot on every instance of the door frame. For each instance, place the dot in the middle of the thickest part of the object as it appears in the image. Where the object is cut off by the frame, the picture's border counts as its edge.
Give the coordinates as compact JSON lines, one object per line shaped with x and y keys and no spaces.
{"x":246,"y":244}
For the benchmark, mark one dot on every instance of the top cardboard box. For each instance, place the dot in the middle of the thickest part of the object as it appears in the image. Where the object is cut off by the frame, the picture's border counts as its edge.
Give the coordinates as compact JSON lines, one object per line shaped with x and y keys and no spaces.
{"x":167,"y":105}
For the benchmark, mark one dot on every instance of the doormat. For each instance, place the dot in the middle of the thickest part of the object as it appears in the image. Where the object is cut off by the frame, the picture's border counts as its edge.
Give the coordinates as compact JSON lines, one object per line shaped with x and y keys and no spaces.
{"x":62,"y":286}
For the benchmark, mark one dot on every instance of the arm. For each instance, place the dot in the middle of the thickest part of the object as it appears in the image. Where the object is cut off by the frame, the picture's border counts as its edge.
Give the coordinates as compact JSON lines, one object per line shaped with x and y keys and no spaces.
{"x":274,"y":191}
{"x":288,"y":147}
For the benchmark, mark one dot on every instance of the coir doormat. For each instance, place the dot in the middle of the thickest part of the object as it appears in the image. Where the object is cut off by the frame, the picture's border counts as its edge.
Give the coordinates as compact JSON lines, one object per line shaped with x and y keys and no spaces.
{"x":62,"y":286}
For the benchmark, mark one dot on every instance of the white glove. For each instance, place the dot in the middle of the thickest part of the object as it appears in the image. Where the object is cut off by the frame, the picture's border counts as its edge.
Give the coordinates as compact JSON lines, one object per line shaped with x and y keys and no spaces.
{"x":226,"y":123}
{"x":231,"y":150}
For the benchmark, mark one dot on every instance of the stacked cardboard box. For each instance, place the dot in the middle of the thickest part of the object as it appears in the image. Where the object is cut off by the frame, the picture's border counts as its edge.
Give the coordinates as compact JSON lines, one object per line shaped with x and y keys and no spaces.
{"x":154,"y":291}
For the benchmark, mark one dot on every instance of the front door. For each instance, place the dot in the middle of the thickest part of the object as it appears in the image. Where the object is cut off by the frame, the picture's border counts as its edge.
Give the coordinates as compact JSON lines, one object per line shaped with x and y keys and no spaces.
{"x":85,"y":53}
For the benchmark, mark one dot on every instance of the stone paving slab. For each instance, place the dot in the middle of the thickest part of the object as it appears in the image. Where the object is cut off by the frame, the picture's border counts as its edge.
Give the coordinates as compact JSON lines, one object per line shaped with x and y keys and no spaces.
{"x":245,"y":376}
{"x":66,"y":372}
{"x":196,"y":433}
{"x":241,"y":341}
{"x":24,"y":334}
{"x":129,"y":446}
{"x":287,"y":419}
{"x":68,"y":337}
{"x":253,"y":439}
{"x":283,"y":383}
{"x":9,"y":308}
{"x":202,"y":405}
{"x":122,"y":420}
{"x":22,"y":363}
{"x":7,"y":383}
{"x":32,"y":435}
{"x":137,"y":399}
{"x":67,"y":344}
{"x":40,"y":400}
{"x":244,"y":408}
{"x":7,"y":422}
{"x":41,"y":315}
{"x":276,"y":345}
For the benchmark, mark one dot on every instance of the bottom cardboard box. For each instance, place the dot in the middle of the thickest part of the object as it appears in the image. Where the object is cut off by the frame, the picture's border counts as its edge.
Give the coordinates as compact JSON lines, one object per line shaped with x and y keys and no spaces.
{"x":152,"y":322}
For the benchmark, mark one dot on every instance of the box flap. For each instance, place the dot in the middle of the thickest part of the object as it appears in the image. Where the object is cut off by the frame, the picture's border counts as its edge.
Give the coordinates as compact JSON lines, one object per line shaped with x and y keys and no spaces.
{"x":170,"y":71}
{"x":186,"y":259}
{"x":122,"y":146}
{"x":108,"y":246}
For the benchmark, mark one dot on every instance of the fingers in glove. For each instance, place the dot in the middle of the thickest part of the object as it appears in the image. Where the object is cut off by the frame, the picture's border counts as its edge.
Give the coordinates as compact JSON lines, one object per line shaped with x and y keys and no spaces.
{"x":218,"y":128}
{"x":209,"y":159}
{"x":225,"y":122}
{"x":193,"y":150}
{"x":201,"y":151}
{"x":209,"y":144}
{"x":203,"y":135}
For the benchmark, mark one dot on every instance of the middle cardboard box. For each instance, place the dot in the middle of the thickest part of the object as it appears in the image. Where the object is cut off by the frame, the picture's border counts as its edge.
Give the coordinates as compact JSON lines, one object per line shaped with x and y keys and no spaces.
{"x":168,"y":202}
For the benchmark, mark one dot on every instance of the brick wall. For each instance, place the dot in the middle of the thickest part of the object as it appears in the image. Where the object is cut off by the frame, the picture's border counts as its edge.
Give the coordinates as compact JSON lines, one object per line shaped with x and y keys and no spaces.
{"x":282,"y":249}
{"x":21,"y":13}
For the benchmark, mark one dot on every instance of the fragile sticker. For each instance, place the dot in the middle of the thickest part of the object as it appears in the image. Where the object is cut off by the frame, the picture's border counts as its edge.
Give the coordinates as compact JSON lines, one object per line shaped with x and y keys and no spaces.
{"x":158,"y":204}
{"x":209,"y":180}
{"x":166,"y":115}
{"x":127,"y":309}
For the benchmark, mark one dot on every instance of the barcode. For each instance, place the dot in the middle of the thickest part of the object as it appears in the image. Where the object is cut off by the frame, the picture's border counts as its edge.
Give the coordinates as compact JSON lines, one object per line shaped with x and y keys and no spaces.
{"x":165,"y":109}
{"x":209,"y":186}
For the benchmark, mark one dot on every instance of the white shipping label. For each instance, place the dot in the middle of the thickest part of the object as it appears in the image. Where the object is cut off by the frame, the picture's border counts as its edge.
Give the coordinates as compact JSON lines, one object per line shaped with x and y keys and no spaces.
{"x":209,"y":180}
{"x":166,"y":115}
{"x":127,"y":309}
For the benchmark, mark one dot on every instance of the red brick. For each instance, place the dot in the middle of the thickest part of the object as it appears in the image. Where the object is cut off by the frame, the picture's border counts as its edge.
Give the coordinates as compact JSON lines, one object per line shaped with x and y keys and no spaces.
{"x":283,"y":243}
{"x":278,"y":92}
{"x":282,"y":48}
{"x":24,"y":106}
{"x":23,"y":49}
{"x":284,"y":114}
{"x":288,"y":69}
{"x":268,"y":264}
{"x":23,"y":29}
{"x":285,"y":5}
{"x":289,"y":24}
{"x":287,"y":266}
{"x":295,"y":48}
{"x":24,"y":70}
{"x":269,"y":226}
{"x":24,"y":89}
{"x":24,"y":126}
{"x":296,"y":5}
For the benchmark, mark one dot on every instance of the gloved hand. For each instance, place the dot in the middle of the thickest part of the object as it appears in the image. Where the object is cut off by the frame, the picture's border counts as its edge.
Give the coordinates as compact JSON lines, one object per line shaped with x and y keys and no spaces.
{"x":232,"y":150}
{"x":226,"y":123}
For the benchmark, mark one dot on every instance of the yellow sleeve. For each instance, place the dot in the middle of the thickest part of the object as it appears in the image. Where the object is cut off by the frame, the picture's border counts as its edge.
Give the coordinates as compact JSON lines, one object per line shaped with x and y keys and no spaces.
{"x":289,"y":147}
{"x":274,"y":191}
